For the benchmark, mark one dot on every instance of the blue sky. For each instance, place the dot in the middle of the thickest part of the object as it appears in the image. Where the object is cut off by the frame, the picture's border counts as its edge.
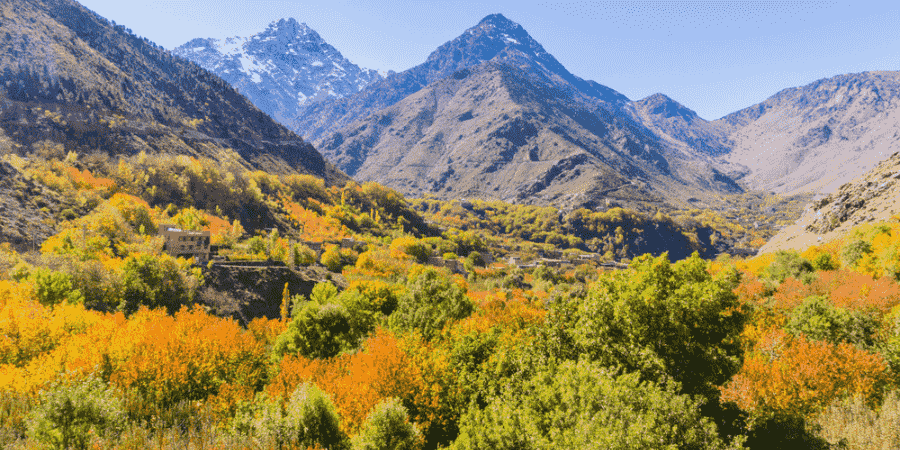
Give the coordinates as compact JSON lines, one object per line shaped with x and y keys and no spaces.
{"x":713,"y":56}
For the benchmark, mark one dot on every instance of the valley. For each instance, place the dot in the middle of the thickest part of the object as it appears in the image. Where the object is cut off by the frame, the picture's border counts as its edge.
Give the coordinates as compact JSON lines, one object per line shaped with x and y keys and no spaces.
{"x":254,"y":243}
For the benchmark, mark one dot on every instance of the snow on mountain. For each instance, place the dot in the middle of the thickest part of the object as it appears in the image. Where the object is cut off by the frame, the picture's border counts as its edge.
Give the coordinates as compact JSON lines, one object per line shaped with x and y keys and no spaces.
{"x":280,"y":69}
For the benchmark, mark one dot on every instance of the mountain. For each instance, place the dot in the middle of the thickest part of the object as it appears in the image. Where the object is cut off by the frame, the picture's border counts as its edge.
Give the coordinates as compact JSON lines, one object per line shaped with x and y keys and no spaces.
{"x":871,"y":197}
{"x":281,"y":68}
{"x":495,"y":38}
{"x":492,"y":115}
{"x":69,"y":76}
{"x":679,"y":124}
{"x":816,"y":137}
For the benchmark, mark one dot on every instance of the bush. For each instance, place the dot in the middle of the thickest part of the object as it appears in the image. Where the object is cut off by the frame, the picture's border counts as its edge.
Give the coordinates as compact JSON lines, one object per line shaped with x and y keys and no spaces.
{"x":155,"y":282}
{"x":788,"y":264}
{"x":432,"y":301}
{"x":302,"y":255}
{"x":332,"y":259}
{"x":667,"y":321}
{"x":818,"y":319}
{"x":51,"y":288}
{"x":307,"y":419}
{"x":824,"y":261}
{"x":851,"y":423}
{"x":316,"y":331}
{"x":69,"y":413}
{"x":854,"y":251}
{"x":388,"y":428}
{"x":586,"y":405}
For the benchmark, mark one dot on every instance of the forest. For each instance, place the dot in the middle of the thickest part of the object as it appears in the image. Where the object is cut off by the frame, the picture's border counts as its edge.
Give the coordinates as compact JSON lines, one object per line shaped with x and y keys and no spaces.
{"x":106,"y":340}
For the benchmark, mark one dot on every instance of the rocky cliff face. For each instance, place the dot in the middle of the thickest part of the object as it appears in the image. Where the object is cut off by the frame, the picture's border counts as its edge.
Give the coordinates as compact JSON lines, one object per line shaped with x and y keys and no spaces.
{"x":280,"y":69}
{"x":874,"y":196}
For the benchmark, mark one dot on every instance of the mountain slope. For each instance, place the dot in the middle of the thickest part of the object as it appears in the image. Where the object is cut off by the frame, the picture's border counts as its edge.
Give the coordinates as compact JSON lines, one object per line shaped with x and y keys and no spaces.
{"x":871,"y":197}
{"x":819,"y":136}
{"x":497,"y":131}
{"x":679,"y":124}
{"x":495,"y":38}
{"x":281,"y":68}
{"x":70,"y":76}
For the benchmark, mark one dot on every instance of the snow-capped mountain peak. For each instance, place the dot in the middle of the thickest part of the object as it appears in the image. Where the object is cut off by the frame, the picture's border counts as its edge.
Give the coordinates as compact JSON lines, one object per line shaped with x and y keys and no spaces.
{"x":281,"y":68}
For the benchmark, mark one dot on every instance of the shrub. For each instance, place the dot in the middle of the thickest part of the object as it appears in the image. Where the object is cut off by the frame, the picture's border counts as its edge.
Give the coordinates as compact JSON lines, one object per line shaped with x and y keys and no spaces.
{"x":155,"y":282}
{"x":68,"y":413}
{"x":788,"y":264}
{"x":854,"y":251}
{"x":431,"y":302}
{"x":51,"y":288}
{"x":308,"y":419}
{"x":851,"y":423}
{"x":818,"y":319}
{"x":586,"y":405}
{"x":302,"y":255}
{"x":388,"y":428}
{"x":332,"y":259}
{"x":667,"y":321}
{"x":316,"y":331}
{"x":824,"y":261}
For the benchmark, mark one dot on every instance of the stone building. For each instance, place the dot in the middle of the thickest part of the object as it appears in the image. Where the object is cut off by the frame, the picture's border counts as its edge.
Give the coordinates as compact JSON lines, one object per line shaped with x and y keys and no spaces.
{"x":185,"y":243}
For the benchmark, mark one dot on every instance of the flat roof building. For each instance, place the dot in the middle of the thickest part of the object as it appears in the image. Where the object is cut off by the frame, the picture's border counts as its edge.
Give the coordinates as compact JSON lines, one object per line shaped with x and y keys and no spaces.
{"x":186,"y":243}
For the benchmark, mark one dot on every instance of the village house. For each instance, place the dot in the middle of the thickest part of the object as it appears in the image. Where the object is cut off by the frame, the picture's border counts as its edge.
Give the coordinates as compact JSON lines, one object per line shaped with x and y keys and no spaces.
{"x":186,"y":243}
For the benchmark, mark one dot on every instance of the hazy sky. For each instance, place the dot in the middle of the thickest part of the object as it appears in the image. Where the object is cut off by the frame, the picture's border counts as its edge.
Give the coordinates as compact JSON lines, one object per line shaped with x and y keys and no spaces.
{"x":712,"y":56}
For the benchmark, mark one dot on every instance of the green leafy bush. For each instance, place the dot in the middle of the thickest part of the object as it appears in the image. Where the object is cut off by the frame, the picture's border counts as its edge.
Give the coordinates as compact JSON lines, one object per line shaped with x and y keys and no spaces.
{"x":432,"y":301}
{"x":156,"y":282}
{"x":667,"y":321}
{"x":818,"y":319}
{"x":586,"y":405}
{"x":307,"y":419}
{"x":67,"y":414}
{"x":52,"y":288}
{"x":788,"y":264}
{"x":316,"y":331}
{"x":388,"y":428}
{"x":854,"y":251}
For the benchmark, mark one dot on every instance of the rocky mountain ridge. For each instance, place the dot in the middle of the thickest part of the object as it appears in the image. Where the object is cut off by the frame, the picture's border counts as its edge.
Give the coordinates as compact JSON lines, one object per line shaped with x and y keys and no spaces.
{"x":281,"y":68}
{"x":69,"y":76}
{"x":872,"y":197}
{"x":492,"y":115}
{"x":816,"y":137}
{"x":494,"y":38}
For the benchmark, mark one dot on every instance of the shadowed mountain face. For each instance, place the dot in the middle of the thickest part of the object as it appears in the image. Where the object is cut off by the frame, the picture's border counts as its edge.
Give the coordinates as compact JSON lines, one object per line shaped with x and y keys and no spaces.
{"x":281,"y":68}
{"x":69,"y":76}
{"x":817,"y":137}
{"x":491,"y":115}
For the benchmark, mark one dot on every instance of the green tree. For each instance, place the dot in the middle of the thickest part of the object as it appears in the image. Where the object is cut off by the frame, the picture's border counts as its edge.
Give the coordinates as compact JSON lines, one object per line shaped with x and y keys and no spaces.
{"x":316,"y":331}
{"x":818,"y":319}
{"x":788,"y":264}
{"x":388,"y":428}
{"x":586,"y":405}
{"x":432,"y":301}
{"x":67,"y":414}
{"x":307,"y":419}
{"x":854,"y":251}
{"x":51,"y":287}
{"x":668,"y":321}
{"x":156,"y":282}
